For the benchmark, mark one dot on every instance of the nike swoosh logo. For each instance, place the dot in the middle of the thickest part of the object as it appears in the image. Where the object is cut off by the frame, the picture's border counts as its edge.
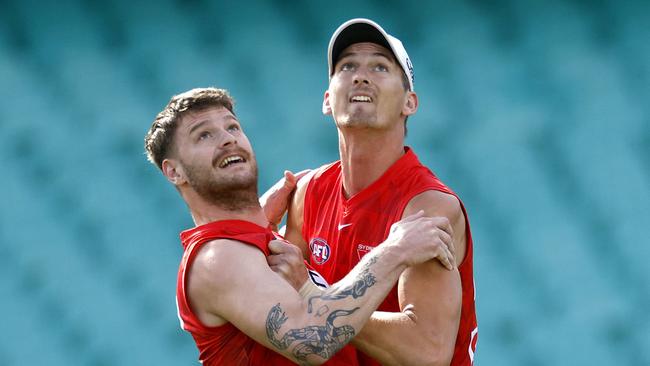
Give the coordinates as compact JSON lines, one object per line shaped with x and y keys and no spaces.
{"x":343,"y":226}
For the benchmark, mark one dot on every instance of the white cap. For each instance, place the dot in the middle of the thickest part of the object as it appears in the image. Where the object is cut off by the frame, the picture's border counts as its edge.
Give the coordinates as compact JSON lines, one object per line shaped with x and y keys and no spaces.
{"x":365,"y":30}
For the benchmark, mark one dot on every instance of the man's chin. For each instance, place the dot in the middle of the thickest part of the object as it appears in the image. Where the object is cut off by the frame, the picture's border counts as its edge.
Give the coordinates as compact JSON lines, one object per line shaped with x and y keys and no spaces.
{"x":231,"y":195}
{"x":357,"y":122}
{"x":243,"y":178}
{"x":238,"y":183}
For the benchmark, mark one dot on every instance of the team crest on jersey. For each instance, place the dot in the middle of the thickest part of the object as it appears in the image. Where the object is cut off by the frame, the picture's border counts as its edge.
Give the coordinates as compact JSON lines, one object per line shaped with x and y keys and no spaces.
{"x":363,"y":249}
{"x":320,"y":250}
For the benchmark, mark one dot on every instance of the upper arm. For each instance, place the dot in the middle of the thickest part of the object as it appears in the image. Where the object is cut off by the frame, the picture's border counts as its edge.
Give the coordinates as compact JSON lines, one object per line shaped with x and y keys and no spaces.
{"x":231,"y":282}
{"x":436,"y":203}
{"x":295,"y":216}
{"x":428,"y":293}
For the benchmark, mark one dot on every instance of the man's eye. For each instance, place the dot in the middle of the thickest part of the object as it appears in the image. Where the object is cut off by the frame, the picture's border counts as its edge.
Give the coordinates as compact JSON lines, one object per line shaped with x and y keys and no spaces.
{"x":204,"y":135}
{"x":347,"y":67}
{"x":233,"y":128}
{"x":381,"y":68}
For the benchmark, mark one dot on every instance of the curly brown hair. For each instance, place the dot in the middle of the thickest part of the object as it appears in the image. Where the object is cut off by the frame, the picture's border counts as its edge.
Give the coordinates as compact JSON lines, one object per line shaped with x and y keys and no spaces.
{"x":160,"y":138}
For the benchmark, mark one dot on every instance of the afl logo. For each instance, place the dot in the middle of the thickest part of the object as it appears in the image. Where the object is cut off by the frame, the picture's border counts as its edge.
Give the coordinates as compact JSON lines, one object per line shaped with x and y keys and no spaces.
{"x":320,"y":250}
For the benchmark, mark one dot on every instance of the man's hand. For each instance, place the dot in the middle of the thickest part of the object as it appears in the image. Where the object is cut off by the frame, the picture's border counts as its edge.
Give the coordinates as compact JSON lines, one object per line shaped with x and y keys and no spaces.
{"x":286,"y":260}
{"x":276,"y":199}
{"x":422,"y":238}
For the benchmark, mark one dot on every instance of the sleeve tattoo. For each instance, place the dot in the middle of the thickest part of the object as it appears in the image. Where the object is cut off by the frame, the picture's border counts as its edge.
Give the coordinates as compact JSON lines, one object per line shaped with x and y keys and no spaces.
{"x":321,"y":340}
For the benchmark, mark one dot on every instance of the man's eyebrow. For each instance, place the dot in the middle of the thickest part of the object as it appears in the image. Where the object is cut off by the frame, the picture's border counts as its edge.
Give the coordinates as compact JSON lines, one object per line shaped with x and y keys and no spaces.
{"x":389,"y":58}
{"x":198,"y":125}
{"x":382,"y":54}
{"x":344,"y":55}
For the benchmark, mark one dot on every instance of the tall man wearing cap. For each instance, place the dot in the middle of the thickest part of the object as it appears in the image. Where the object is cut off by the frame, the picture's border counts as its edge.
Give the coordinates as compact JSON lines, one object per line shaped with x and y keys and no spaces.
{"x":341,"y":211}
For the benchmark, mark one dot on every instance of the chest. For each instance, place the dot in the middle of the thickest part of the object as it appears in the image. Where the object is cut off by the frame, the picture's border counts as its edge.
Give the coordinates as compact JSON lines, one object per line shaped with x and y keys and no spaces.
{"x":341,"y":233}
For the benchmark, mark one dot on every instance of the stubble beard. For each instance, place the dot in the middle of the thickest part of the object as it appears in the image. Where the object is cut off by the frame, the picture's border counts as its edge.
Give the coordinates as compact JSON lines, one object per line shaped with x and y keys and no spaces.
{"x":359,"y":118}
{"x":230,"y":193}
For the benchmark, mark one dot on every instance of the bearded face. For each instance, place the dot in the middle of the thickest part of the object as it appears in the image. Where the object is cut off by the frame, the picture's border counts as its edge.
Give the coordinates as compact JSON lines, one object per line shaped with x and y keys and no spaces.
{"x":214,"y":159}
{"x":233,"y":187}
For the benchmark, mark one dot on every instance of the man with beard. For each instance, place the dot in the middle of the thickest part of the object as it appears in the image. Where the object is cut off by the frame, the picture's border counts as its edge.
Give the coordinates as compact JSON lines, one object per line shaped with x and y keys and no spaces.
{"x":349,"y":206}
{"x":235,"y":307}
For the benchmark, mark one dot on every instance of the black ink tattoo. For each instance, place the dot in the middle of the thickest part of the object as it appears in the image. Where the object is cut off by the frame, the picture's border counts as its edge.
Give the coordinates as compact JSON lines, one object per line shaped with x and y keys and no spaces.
{"x":322,"y":310}
{"x":356,"y":290}
{"x":372,"y":261}
{"x":323,"y":341}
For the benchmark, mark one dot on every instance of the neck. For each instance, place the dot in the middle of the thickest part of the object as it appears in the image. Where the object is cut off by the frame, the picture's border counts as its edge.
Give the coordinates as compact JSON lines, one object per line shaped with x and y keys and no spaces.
{"x":204,"y":212}
{"x":366,"y":154}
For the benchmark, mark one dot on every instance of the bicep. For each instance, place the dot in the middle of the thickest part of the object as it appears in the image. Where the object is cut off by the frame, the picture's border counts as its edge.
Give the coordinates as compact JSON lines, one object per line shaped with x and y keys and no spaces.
{"x":431,"y":296}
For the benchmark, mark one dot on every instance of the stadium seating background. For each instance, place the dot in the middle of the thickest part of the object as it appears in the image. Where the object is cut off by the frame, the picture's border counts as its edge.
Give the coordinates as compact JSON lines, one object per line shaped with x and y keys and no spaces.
{"x":537,"y":113}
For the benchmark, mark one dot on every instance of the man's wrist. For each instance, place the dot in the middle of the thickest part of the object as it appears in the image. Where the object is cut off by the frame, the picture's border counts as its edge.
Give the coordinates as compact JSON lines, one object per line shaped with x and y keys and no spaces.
{"x":309,"y":289}
{"x":392,"y":254}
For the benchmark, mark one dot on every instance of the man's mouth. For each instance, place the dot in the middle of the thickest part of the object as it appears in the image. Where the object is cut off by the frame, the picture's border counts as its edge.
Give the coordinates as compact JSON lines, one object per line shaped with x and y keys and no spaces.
{"x":361,"y":99}
{"x":230,"y":160}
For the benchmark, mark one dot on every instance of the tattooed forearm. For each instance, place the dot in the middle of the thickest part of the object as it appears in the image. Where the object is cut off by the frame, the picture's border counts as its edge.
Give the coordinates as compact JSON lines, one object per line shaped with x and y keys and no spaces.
{"x":323,"y":341}
{"x":356,"y":290}
{"x":320,"y":340}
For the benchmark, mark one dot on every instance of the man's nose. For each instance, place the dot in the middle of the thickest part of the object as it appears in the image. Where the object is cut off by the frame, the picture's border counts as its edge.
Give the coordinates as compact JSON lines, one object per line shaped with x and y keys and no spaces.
{"x":228,"y":139}
{"x":361,"y":77}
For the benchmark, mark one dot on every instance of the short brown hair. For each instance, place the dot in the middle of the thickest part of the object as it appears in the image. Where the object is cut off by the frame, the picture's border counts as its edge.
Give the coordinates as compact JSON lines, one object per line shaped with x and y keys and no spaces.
{"x":160,"y":137}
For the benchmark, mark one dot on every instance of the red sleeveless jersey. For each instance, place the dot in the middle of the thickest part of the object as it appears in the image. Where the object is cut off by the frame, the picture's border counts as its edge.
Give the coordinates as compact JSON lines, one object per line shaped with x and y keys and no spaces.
{"x":227,"y":345}
{"x":341,"y":231}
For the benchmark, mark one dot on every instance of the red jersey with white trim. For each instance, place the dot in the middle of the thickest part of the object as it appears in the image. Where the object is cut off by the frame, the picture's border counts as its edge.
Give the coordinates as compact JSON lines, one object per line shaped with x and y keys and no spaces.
{"x":227,"y":345}
{"x":341,"y":231}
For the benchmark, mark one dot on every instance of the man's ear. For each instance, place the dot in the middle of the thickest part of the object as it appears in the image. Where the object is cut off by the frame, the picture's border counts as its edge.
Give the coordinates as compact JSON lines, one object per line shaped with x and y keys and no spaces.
{"x":327,"y":108}
{"x":410,"y":104}
{"x":173,"y":171}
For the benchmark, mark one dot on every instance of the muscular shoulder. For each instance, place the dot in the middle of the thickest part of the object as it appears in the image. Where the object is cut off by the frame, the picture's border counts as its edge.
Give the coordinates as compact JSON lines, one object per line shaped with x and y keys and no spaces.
{"x":214,"y":273}
{"x":220,"y":259}
{"x":435,"y":203}
{"x":298,"y":200}
{"x":323,"y":173}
